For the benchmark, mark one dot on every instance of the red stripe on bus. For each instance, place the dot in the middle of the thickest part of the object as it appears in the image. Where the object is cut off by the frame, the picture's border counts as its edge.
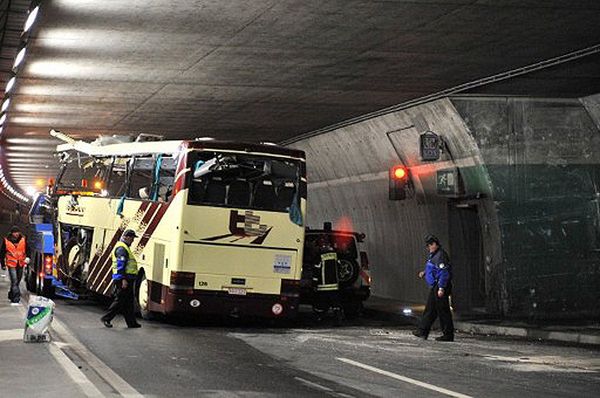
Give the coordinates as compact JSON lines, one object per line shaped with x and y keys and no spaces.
{"x":105,"y":261}
{"x":97,"y":265}
{"x":105,"y":281}
{"x":153,"y":225}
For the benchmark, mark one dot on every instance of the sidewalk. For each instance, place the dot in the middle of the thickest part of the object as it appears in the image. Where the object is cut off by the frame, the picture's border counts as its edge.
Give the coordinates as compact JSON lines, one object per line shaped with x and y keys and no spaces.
{"x":28,"y":369}
{"x":568,"y":332}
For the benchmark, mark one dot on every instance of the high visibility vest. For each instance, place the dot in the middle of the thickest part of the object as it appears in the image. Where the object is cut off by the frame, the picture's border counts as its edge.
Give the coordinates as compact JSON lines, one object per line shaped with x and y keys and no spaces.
{"x":131,"y":267}
{"x":327,"y":278}
{"x":15,"y":254}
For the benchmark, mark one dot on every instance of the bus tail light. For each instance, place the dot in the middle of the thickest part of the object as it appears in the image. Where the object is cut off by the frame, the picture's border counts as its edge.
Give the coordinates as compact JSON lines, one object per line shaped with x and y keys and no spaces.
{"x":182,"y":280}
{"x":290,"y":288}
{"x":48,"y":264}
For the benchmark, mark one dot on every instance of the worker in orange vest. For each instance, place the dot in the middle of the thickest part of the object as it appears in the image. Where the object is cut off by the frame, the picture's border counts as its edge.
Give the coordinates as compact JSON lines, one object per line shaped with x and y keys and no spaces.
{"x":14,"y":255}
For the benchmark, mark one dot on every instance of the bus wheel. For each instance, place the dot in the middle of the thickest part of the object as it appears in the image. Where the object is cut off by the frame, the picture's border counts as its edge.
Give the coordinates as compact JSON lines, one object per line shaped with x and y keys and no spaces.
{"x":142,"y":298}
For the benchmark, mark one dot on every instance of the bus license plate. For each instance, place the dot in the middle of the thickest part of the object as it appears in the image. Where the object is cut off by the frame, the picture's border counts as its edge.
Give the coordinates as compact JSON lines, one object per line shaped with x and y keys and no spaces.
{"x":236,"y":290}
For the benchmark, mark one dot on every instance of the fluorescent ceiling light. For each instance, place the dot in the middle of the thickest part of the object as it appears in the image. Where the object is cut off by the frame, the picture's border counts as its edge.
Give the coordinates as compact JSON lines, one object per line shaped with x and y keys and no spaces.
{"x":29,"y":148}
{"x":5,"y":105}
{"x":2,"y":119}
{"x":31,"y":18}
{"x":10,"y":84}
{"x":20,"y":57}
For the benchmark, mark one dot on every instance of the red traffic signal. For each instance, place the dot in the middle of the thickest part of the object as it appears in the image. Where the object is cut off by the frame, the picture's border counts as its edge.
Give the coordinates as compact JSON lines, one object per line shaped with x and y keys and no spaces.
{"x":399,"y":172}
{"x":398,"y":181}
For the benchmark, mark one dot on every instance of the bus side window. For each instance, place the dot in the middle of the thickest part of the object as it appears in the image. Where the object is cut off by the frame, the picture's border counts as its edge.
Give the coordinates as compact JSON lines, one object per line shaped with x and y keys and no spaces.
{"x":140,"y":177}
{"x":118,"y":178}
{"x":166,"y":178}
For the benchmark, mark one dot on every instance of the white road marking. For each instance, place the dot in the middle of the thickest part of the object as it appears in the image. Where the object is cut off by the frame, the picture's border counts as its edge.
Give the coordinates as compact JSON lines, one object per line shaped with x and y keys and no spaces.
{"x":105,"y":372}
{"x":311,"y":384}
{"x":11,"y":334}
{"x":404,"y":379}
{"x":88,"y":388}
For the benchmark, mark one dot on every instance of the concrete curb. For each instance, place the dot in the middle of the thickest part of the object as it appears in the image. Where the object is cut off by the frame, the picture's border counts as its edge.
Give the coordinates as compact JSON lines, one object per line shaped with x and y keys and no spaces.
{"x":528,"y":333}
{"x":489,"y":329}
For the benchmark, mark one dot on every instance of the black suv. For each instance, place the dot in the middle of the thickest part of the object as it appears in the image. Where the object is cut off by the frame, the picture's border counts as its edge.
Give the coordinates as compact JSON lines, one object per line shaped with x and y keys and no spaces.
{"x":353,"y":267}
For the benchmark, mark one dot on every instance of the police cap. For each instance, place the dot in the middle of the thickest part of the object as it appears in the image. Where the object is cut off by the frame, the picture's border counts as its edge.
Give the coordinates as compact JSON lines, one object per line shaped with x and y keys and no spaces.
{"x":431,"y":239}
{"x":129,"y":233}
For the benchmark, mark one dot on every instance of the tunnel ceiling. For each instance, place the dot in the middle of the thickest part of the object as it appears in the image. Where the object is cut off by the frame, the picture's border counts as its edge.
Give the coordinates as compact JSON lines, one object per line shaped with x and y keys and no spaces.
{"x":270,"y":70}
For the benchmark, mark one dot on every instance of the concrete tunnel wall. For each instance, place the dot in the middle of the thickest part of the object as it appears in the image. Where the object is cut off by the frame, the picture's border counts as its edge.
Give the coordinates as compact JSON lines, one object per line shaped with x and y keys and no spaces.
{"x":529,"y":169}
{"x":348,"y":184}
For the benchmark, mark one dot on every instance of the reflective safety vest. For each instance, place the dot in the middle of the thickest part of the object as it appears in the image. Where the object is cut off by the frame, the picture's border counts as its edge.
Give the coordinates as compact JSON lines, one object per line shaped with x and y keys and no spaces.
{"x":15,"y":254}
{"x":131,"y":267}
{"x":327,"y":272}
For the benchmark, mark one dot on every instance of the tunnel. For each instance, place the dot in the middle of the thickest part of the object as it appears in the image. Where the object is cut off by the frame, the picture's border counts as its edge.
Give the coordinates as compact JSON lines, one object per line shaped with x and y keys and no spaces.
{"x":510,"y":91}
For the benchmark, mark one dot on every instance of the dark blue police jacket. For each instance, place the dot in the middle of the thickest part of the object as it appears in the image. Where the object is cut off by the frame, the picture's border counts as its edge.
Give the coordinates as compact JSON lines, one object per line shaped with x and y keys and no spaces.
{"x":438,"y":270}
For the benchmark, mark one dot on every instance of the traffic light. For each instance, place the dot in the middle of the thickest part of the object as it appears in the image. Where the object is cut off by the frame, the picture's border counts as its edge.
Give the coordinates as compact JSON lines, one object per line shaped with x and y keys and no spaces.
{"x":398,"y":182}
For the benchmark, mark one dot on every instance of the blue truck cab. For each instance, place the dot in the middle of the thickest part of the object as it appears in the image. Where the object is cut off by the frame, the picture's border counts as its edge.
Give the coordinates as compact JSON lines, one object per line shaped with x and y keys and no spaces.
{"x":41,"y":275}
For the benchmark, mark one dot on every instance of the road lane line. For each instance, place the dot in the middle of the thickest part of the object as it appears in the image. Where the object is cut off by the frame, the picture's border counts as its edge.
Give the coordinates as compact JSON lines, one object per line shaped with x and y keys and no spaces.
{"x":103,"y":370}
{"x":11,"y":334}
{"x":404,"y":379}
{"x":311,"y":384}
{"x":88,"y":388}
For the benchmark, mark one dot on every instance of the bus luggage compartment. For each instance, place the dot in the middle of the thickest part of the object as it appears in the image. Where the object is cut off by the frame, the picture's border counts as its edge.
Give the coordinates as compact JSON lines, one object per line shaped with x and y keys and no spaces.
{"x":239,"y":270}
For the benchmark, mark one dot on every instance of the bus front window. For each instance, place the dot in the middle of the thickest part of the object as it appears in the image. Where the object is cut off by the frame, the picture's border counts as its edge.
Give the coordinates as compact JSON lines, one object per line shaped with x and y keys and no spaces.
{"x":243,"y":181}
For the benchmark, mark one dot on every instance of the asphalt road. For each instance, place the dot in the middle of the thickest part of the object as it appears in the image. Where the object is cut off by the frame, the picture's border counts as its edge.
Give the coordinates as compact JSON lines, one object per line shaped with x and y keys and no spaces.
{"x":307,"y":358}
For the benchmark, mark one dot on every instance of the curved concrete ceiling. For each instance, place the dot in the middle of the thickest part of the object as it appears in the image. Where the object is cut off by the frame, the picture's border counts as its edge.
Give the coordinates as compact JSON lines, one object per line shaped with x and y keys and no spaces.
{"x":271,"y":70}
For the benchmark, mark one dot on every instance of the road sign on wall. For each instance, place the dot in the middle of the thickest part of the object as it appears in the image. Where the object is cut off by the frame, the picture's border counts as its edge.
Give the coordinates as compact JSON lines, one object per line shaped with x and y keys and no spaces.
{"x":430,"y":146}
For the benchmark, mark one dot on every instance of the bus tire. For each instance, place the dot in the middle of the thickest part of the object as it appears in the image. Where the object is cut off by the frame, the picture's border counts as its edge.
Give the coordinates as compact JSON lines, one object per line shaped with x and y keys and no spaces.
{"x":142,"y":298}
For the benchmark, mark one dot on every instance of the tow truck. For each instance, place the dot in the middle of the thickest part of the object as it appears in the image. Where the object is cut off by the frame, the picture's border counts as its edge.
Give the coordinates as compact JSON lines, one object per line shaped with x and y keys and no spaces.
{"x":41,"y":274}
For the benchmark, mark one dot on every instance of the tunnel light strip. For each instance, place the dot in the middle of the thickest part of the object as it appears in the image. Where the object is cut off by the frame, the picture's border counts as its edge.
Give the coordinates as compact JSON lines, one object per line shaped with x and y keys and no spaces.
{"x":5,"y":105}
{"x":10,"y":84}
{"x":34,"y":9}
{"x":20,"y":57}
{"x":31,"y":19}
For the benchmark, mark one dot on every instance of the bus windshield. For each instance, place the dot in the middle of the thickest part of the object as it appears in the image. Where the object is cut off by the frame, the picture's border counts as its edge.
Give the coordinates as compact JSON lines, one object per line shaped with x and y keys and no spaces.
{"x":243,"y":181}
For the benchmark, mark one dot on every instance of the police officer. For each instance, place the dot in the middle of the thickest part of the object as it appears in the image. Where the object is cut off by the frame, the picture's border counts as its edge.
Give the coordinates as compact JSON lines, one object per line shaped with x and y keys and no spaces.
{"x":124,"y":273}
{"x":438,"y":275}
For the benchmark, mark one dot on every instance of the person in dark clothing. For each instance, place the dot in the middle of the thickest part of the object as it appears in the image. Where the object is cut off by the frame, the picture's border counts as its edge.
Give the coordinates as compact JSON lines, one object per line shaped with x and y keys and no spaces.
{"x":325,"y":278}
{"x":15,"y":254}
{"x":438,"y":275}
{"x":124,"y":273}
